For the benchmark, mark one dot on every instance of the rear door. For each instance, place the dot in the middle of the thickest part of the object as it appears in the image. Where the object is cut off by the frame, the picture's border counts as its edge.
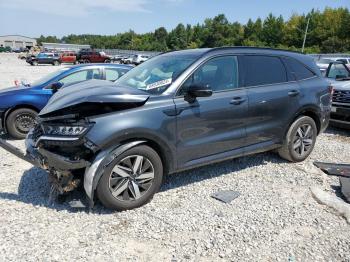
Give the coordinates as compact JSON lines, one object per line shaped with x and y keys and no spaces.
{"x":273,"y":98}
{"x":211,"y":126}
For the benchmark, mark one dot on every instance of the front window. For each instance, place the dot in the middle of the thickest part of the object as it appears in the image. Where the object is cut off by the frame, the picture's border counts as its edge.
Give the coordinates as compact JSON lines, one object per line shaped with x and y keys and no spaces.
{"x":48,"y":77}
{"x":219,"y":74}
{"x":81,"y":76}
{"x":156,"y":75}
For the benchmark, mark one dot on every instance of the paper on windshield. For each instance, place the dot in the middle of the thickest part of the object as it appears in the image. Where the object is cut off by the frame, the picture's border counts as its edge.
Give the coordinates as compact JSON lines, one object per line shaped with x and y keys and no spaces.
{"x":159,"y":84}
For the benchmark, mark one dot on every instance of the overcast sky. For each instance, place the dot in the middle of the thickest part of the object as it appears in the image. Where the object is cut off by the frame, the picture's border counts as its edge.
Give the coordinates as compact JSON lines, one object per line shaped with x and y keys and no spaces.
{"x":62,"y":17}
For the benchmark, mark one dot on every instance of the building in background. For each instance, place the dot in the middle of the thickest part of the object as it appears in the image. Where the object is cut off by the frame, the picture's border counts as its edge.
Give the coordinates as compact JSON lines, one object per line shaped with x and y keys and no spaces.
{"x":63,"y":47}
{"x":16,"y":42}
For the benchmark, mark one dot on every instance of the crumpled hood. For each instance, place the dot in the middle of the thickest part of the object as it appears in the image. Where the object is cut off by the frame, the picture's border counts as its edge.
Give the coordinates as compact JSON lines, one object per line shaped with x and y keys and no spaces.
{"x":96,"y":96}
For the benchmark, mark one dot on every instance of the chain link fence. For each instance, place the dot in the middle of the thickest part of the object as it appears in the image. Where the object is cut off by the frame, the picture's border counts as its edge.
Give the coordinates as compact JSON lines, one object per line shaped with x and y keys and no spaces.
{"x":335,"y":55}
{"x":114,"y":52}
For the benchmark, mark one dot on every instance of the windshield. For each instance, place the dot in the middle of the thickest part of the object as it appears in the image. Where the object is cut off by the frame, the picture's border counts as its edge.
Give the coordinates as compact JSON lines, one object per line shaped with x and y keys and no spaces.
{"x":156,"y":75}
{"x":48,"y":77}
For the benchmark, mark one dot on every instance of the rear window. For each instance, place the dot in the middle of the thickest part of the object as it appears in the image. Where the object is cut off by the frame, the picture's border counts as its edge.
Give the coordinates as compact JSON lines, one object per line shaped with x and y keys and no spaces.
{"x":263,"y":70}
{"x":298,"y":70}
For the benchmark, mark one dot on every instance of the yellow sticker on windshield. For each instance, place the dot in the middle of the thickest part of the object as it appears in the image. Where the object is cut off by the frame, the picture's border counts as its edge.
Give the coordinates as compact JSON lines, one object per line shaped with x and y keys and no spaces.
{"x":159,"y":84}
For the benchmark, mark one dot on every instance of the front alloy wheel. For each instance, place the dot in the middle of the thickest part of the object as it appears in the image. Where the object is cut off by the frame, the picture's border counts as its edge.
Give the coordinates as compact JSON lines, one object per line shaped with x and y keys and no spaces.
{"x":131,"y":179}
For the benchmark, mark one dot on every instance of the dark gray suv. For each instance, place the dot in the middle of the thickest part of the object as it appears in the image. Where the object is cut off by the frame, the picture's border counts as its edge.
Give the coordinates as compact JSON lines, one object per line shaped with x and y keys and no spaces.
{"x":177,"y":111}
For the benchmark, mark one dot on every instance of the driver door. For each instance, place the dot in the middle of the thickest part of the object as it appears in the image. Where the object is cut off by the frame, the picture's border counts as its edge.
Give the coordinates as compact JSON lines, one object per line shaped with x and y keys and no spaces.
{"x":212,"y":127}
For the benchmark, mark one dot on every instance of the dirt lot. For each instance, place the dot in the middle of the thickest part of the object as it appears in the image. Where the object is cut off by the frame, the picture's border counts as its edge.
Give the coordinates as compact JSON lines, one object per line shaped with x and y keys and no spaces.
{"x":274,"y":219}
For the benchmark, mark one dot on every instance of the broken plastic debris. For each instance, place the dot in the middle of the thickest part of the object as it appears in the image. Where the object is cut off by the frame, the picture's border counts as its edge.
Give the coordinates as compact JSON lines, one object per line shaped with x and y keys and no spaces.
{"x":76,"y":204}
{"x":226,"y":196}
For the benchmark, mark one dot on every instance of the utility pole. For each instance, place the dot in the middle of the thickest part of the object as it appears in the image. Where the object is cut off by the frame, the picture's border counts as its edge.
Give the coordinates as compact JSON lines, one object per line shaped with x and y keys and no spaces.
{"x":307,"y":28}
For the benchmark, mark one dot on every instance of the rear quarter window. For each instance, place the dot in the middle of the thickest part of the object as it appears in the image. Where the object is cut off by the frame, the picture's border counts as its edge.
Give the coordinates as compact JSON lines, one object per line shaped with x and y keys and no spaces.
{"x":297,"y":69}
{"x":263,"y":70}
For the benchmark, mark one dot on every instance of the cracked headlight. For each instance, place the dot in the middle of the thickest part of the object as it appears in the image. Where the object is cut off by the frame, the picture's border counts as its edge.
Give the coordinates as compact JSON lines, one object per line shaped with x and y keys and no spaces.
{"x":65,"y":130}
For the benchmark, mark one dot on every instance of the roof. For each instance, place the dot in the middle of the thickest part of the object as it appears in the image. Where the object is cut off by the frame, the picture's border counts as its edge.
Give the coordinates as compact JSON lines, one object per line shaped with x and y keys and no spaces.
{"x":252,"y":48}
{"x":236,"y":49}
{"x":64,"y":44}
{"x":32,"y":38}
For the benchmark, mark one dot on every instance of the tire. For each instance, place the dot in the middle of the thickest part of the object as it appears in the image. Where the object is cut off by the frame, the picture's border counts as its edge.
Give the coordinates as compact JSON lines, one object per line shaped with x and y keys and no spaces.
{"x":34,"y":63}
{"x":19,"y":122}
{"x":300,"y":140}
{"x":107,"y":61}
{"x":129,"y":198}
{"x":87,"y":61}
{"x":56,"y":63}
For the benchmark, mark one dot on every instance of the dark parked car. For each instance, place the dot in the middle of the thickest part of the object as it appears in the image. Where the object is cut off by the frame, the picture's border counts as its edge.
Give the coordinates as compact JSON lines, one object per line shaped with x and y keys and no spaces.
{"x":339,"y":76}
{"x":177,"y":111}
{"x":44,"y":58}
{"x":93,"y":57}
{"x":20,"y":105}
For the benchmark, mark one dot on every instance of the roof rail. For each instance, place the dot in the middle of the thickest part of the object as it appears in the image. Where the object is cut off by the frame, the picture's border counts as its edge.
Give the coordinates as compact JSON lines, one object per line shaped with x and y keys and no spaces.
{"x":251,"y":47}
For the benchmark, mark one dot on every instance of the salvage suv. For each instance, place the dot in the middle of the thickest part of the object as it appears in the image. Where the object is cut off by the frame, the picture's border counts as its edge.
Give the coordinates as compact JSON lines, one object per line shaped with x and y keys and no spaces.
{"x":177,"y":111}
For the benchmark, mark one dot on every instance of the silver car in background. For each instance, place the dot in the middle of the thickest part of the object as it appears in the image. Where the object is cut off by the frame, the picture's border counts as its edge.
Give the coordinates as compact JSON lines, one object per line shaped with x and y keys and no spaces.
{"x":140,"y":58}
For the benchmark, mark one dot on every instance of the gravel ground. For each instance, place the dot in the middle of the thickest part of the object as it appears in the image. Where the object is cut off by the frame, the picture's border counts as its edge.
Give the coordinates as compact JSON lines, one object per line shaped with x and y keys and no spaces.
{"x":274,"y":219}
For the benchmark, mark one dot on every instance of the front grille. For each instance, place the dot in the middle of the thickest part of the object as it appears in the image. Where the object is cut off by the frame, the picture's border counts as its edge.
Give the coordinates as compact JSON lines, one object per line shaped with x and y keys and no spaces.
{"x":341,"y":96}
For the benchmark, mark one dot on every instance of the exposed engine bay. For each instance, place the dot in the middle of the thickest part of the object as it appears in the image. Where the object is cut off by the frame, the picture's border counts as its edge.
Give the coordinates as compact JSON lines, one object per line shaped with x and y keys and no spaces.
{"x":58,"y":144}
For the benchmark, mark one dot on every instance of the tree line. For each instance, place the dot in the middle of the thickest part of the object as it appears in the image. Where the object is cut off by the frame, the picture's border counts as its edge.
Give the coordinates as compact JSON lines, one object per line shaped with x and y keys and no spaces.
{"x":328,"y":32}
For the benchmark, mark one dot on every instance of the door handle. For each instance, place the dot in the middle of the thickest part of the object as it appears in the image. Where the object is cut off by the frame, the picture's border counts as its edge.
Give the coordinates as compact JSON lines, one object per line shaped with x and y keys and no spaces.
{"x":237,"y":100}
{"x":293,"y":93}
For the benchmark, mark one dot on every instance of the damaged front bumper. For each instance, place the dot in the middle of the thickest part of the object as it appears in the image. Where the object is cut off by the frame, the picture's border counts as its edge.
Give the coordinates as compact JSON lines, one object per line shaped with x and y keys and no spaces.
{"x":47,"y":159}
{"x":92,"y":167}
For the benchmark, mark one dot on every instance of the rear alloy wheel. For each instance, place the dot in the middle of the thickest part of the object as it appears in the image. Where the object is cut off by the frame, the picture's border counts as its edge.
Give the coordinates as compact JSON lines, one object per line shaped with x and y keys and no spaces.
{"x":131,"y":180}
{"x":19,"y":122}
{"x":300,"y":140}
{"x":56,"y":63}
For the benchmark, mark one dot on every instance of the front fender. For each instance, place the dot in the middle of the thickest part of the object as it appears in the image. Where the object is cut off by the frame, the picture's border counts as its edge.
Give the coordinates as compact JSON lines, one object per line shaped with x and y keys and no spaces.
{"x":94,"y":172}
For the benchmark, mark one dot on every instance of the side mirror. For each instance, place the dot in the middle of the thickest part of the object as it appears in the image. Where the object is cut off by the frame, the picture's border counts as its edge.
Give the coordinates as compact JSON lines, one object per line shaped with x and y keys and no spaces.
{"x":198,"y":90}
{"x":56,"y":86}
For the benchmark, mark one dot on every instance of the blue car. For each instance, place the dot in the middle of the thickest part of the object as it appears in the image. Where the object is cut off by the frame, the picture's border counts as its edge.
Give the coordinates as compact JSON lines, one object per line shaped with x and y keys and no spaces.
{"x":19,"y":106}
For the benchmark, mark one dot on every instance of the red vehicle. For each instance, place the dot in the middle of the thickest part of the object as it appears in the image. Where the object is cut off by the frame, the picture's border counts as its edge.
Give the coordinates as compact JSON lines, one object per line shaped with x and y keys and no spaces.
{"x":93,"y":57}
{"x":68,"y":57}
